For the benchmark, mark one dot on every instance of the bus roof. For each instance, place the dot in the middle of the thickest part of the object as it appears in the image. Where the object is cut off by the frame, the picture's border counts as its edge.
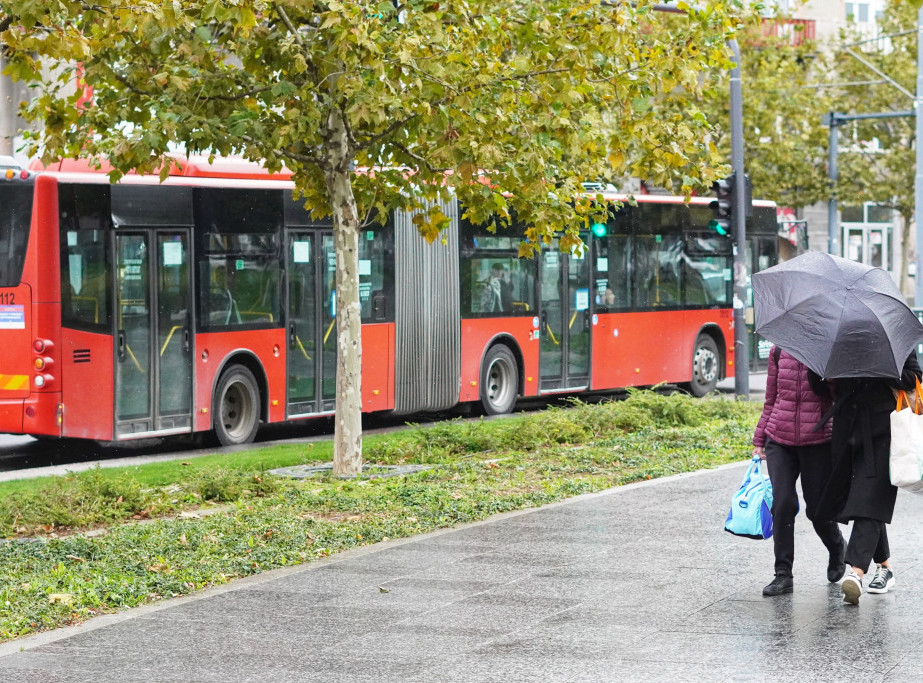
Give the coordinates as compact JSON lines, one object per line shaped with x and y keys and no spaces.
{"x":235,"y":168}
{"x":186,"y":167}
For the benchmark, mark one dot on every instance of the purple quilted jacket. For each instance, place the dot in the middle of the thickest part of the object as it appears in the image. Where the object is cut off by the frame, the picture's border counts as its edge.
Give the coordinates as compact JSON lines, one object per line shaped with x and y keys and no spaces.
{"x":792,"y":409}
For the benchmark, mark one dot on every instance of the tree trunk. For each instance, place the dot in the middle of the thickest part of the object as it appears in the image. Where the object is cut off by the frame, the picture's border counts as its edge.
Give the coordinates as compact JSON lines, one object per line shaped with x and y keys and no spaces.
{"x":347,"y":440}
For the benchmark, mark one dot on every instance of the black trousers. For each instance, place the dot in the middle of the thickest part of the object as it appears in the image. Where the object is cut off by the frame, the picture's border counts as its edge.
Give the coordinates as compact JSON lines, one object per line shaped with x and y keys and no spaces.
{"x":785,"y":465}
{"x":868,"y":541}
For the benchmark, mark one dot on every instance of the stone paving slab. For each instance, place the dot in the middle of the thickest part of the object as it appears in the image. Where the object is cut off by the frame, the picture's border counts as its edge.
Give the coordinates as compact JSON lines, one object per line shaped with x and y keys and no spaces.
{"x":638,"y":583}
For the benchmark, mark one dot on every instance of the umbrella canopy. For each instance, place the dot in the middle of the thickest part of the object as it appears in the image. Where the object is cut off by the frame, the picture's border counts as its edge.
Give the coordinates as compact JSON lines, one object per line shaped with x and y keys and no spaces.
{"x":838,"y":317}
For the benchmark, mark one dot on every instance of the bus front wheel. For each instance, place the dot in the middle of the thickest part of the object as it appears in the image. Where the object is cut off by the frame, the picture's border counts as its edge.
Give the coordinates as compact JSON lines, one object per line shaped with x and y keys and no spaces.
{"x":237,"y":407}
{"x":706,"y":366}
{"x":499,"y":381}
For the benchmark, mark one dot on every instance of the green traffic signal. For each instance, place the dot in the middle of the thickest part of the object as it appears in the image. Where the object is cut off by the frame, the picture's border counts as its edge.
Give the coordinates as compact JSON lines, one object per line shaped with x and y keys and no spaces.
{"x":717,"y":226}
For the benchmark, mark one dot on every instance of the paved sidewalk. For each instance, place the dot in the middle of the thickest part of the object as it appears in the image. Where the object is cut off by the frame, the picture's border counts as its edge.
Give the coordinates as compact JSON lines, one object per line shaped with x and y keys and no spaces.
{"x":635,"y":583}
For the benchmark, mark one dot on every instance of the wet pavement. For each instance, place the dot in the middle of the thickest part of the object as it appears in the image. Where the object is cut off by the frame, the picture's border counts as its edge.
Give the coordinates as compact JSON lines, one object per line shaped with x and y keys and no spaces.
{"x":634,"y":583}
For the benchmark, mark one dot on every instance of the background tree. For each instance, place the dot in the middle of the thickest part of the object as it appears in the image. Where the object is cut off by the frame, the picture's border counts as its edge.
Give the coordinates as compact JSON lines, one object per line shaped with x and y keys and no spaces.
{"x":414,"y":90}
{"x":785,"y":142}
{"x":878,"y":156}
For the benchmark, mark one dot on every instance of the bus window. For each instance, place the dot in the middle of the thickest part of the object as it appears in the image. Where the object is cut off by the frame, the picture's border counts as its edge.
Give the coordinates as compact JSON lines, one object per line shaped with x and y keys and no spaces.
{"x":657,"y":270}
{"x":84,"y":219}
{"x":239,"y":257}
{"x":376,"y":273}
{"x":498,"y":284}
{"x":611,"y":262}
{"x":707,"y":271}
{"x":15,"y":220}
{"x":147,"y":206}
{"x":494,"y":280}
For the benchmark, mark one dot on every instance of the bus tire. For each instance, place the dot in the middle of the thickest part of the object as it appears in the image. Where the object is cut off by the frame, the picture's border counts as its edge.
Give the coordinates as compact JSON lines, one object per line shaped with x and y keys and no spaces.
{"x":237,"y":406}
{"x":706,"y":366}
{"x":499,"y":381}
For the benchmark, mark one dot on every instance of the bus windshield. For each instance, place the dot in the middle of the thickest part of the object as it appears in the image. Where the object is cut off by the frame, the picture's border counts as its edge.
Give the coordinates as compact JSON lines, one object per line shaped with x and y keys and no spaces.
{"x":15,"y":218}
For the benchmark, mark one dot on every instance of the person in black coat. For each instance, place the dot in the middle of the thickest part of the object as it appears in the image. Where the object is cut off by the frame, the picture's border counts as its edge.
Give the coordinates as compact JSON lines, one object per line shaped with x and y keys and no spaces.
{"x":859,"y":488}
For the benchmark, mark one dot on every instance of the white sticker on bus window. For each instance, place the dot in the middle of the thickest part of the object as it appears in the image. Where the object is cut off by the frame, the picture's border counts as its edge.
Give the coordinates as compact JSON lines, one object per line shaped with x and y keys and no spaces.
{"x":582,"y":299}
{"x":72,"y":238}
{"x":365,"y":267}
{"x":602,"y":264}
{"x":727,"y":274}
{"x":301,"y":252}
{"x":172,"y":253}
{"x":75,"y":265}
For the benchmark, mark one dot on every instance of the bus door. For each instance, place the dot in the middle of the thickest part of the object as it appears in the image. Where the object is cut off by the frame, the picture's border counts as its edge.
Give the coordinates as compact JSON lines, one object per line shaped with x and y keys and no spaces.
{"x":564,"y":320}
{"x":312,"y":335}
{"x":153,"y":363}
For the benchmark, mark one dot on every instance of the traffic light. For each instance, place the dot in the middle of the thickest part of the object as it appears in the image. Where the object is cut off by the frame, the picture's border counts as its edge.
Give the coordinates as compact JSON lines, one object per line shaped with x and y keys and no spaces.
{"x":723,"y":205}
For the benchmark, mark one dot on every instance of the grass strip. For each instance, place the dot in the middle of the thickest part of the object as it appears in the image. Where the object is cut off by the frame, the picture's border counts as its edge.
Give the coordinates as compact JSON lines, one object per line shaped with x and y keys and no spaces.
{"x":51,"y":576}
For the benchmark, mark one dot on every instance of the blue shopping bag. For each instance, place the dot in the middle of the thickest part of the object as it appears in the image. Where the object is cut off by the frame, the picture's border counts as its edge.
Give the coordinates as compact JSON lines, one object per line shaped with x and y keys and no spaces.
{"x":750,"y":514}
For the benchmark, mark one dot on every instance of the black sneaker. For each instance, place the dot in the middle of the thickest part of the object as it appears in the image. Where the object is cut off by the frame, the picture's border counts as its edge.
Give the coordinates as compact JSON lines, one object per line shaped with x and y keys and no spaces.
{"x":883,"y":580}
{"x":836,"y":566}
{"x":779,"y":586}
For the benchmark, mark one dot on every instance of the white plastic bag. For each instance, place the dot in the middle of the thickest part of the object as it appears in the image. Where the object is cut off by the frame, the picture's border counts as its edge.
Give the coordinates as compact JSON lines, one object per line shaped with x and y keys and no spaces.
{"x":906,"y":457}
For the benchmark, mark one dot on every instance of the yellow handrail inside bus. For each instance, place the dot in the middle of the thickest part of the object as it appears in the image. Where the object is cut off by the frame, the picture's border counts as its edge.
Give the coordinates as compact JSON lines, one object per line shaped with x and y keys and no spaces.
{"x":329,"y":329}
{"x":133,"y":359}
{"x":551,"y":335}
{"x":301,"y":346}
{"x":169,"y":337}
{"x":572,"y":319}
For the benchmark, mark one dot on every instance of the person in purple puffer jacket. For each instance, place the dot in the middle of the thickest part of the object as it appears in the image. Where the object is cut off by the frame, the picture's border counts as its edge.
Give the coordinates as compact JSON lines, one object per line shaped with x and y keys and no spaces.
{"x":787,"y":438}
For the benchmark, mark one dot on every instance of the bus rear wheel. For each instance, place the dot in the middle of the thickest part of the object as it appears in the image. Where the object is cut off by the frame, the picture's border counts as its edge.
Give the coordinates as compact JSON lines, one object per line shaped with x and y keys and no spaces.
{"x":499,"y":381}
{"x":706,"y":366}
{"x":237,"y":407}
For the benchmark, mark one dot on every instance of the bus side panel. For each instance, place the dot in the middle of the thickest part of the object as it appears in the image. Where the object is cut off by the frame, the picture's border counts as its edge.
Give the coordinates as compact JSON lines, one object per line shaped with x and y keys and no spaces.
{"x":16,"y":341}
{"x":41,"y":409}
{"x":477,"y":333}
{"x":378,"y":367}
{"x":87,"y":385}
{"x":641,"y":349}
{"x":634,"y":349}
{"x":267,"y":345}
{"x":43,"y":257}
{"x":724,"y":320}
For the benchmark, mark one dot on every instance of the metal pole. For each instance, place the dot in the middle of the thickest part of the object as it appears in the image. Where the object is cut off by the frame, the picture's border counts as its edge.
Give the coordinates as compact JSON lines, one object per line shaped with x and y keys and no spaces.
{"x":918,"y":177}
{"x":741,"y":338}
{"x":833,"y":174}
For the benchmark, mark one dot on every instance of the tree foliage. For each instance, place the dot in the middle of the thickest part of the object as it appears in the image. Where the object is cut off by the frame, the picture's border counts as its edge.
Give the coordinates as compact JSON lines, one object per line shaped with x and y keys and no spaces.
{"x":431,"y":95}
{"x":878,"y":155}
{"x":785,"y":142}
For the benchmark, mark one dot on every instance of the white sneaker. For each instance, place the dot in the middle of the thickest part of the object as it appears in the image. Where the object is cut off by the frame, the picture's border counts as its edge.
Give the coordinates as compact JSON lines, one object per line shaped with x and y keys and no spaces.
{"x":852,"y":587}
{"x":883,"y":580}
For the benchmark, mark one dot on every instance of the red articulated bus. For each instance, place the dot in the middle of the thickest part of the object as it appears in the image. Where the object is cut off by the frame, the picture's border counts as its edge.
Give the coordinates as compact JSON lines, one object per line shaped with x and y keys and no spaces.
{"x":207,"y":302}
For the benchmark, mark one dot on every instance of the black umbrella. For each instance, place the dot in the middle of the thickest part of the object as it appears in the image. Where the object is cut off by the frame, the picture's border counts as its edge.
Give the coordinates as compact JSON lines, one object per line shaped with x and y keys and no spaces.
{"x":838,"y":317}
